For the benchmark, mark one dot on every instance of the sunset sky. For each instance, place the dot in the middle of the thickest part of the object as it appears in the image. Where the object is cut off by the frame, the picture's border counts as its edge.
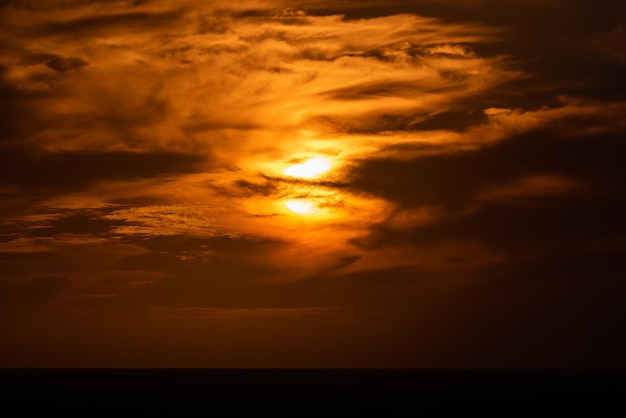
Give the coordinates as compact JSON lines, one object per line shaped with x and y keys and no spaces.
{"x":312,"y":183}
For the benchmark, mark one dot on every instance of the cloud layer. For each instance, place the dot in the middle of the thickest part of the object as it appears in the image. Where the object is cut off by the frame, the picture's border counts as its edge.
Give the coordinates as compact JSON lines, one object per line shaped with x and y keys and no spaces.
{"x":474,"y":197}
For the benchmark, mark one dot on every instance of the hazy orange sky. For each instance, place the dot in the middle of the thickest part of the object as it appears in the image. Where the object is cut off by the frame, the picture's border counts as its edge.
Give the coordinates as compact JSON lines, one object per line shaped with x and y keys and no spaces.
{"x":425,"y":183}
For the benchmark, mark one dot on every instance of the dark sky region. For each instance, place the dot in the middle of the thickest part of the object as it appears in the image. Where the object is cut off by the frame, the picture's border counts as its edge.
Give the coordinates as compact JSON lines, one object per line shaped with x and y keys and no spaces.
{"x":423,"y":183}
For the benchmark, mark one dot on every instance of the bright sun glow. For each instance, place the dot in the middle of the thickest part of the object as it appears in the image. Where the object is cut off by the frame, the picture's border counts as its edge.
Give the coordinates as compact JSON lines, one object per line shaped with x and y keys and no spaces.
{"x":311,"y":168}
{"x":302,"y":207}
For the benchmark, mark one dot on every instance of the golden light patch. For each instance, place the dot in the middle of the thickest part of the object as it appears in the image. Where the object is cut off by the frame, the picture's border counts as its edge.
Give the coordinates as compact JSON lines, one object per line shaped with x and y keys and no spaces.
{"x":311,"y":168}
{"x":301,"y":207}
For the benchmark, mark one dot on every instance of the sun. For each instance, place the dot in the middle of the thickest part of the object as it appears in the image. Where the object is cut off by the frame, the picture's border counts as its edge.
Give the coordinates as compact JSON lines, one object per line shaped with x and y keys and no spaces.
{"x":311,"y":168}
{"x":301,"y":207}
{"x":308,"y":169}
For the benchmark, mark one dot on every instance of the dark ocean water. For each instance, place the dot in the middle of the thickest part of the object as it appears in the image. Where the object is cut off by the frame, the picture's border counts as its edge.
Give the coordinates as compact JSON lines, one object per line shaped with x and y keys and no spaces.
{"x":313,"y":392}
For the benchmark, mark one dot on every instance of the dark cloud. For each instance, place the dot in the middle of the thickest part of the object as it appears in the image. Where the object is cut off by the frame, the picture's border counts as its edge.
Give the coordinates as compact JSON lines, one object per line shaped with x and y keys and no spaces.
{"x":248,"y":188}
{"x":221,"y":252}
{"x":527,"y":17}
{"x":379,"y":89}
{"x":375,"y":122}
{"x":108,"y":23}
{"x":453,"y":179}
{"x":74,"y":170}
{"x":53,"y":61}
{"x":62,"y":64}
{"x":532,"y":228}
{"x":460,"y":117}
{"x":216,"y":23}
{"x":286,"y":16}
{"x":76,"y":222}
{"x":209,"y":272}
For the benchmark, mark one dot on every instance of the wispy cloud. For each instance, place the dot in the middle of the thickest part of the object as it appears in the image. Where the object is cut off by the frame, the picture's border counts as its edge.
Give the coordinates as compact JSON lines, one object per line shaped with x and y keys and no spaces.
{"x":167,"y":220}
